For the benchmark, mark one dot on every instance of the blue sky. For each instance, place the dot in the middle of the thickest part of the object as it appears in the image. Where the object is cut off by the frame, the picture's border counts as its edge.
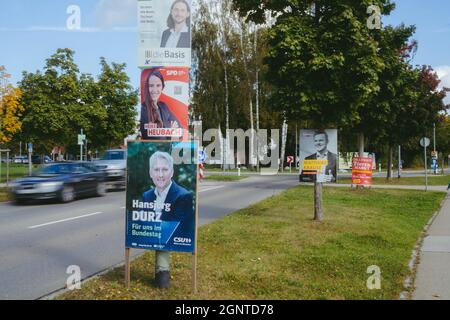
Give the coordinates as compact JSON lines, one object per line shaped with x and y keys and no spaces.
{"x":31,"y":30}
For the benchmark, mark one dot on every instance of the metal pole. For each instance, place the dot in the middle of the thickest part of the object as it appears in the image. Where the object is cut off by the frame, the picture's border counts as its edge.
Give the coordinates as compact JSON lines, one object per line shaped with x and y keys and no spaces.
{"x":296,"y":147}
{"x":7,"y":168}
{"x":434,"y":147}
{"x":426,"y":174}
{"x":399,"y":160}
{"x":81,"y":148}
{"x":434,"y":137}
{"x":30,"y":170}
{"x":0,"y":166}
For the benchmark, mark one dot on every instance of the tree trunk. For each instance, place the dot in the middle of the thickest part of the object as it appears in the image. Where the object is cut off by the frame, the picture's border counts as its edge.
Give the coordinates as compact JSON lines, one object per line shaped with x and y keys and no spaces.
{"x":318,"y":209}
{"x":390,"y":158}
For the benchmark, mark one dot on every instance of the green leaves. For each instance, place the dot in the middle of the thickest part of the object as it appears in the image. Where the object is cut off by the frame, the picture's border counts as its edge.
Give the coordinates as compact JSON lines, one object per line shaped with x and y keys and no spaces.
{"x":60,"y":101}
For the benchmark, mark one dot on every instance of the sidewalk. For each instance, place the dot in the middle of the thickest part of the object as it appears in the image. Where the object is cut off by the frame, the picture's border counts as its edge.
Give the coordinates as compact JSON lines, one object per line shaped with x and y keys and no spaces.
{"x":433,"y":272}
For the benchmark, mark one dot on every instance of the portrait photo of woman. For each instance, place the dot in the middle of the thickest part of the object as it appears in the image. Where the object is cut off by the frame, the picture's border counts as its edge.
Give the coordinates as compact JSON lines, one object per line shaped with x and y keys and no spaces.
{"x":155,"y":113}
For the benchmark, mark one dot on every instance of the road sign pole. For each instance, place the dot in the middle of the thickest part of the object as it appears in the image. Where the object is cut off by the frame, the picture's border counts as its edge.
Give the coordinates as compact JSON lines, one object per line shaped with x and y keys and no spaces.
{"x":81,"y":146}
{"x":426,"y":174}
{"x":30,"y":165}
{"x":7,"y":167}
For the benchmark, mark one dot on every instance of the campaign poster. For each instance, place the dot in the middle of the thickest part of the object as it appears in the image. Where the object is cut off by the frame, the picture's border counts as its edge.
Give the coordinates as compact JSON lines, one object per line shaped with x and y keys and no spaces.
{"x":164,"y":103}
{"x":318,"y":145}
{"x":164,"y":33}
{"x":161,"y":195}
{"x":362,"y":171}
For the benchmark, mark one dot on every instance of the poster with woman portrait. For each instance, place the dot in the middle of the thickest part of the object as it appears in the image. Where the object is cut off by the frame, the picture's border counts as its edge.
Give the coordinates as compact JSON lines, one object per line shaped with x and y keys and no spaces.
{"x":164,"y":103}
{"x":164,"y":33}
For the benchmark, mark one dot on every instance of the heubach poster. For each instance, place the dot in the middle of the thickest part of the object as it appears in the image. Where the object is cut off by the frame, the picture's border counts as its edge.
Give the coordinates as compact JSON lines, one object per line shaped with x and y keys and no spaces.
{"x":318,"y":145}
{"x":164,"y":103}
{"x":164,"y":33}
{"x":161,"y":195}
{"x":362,"y":171}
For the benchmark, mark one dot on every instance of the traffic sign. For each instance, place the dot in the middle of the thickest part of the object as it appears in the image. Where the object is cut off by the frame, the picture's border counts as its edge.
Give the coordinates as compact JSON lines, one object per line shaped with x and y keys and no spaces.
{"x":290,"y":159}
{"x":201,"y":156}
{"x":424,"y":142}
{"x":81,"y":138}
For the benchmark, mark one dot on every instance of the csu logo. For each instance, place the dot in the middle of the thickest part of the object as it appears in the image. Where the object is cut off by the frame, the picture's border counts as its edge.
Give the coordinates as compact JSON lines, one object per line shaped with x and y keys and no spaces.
{"x":182,"y":240}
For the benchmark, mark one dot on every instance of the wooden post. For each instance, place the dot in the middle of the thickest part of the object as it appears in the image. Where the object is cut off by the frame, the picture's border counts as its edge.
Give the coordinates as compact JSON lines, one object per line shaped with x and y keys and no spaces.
{"x":318,"y":210}
{"x":127,"y":267}
{"x":194,"y":256}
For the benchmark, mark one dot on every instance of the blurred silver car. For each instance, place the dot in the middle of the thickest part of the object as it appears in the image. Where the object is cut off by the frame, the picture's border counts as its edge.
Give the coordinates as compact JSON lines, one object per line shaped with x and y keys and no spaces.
{"x":114,"y":165}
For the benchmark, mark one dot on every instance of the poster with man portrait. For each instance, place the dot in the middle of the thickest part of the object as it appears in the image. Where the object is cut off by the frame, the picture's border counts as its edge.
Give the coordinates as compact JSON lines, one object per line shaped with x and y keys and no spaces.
{"x":164,"y":103}
{"x":161,"y":195}
{"x":318,"y":155}
{"x":164,"y":33}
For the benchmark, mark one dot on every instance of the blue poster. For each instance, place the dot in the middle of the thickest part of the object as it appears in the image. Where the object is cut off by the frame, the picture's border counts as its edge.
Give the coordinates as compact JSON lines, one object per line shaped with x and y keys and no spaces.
{"x":161,"y":195}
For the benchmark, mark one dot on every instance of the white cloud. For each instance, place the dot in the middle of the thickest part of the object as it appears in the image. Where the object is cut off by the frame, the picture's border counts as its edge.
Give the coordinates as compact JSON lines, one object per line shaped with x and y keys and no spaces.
{"x":116,"y":13}
{"x":443,"y":73}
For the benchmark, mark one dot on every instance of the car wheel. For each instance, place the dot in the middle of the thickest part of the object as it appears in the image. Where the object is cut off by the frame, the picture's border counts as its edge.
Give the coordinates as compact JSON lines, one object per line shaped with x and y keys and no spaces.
{"x":100,"y":191}
{"x":67,"y":194}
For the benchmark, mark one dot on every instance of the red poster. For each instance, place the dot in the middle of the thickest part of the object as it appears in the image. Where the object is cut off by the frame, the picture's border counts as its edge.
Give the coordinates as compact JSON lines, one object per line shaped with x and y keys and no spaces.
{"x":362,"y":171}
{"x":164,"y":103}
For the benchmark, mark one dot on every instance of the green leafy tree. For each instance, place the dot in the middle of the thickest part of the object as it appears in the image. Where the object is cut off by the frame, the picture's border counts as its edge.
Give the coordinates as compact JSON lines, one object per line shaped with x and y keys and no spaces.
{"x":60,"y":101}
{"x":120,"y":99}
{"x":323,"y":59}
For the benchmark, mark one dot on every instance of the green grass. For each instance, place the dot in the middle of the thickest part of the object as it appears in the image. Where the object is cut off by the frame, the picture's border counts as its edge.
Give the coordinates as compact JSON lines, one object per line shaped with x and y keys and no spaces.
{"x":15,"y":171}
{"x":4,"y":195}
{"x":432,"y":181}
{"x":274,"y":250}
{"x":219,"y":177}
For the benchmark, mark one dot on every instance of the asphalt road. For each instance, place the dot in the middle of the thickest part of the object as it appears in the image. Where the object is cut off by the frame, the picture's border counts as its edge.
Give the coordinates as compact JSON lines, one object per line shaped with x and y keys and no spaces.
{"x":39,"y":242}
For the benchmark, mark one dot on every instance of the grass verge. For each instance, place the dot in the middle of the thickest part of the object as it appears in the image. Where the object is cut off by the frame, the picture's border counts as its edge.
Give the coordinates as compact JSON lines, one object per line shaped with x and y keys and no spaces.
{"x":15,"y":171}
{"x":432,"y":181}
{"x":274,"y":250}
{"x":4,"y":195}
{"x":220,"y":177}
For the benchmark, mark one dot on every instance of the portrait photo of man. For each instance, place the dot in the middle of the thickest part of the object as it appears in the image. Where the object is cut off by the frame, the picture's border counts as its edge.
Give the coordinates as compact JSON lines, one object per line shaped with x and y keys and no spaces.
{"x":178,"y":32}
{"x":172,"y":201}
{"x":320,"y":144}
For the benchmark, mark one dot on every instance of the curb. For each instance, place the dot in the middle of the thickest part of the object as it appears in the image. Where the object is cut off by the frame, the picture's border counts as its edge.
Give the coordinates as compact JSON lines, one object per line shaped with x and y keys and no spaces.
{"x":409,"y":282}
{"x":58,"y":292}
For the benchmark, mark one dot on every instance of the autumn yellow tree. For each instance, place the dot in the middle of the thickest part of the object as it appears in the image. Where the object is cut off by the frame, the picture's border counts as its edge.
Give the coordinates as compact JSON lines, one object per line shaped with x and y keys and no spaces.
{"x":10,"y":108}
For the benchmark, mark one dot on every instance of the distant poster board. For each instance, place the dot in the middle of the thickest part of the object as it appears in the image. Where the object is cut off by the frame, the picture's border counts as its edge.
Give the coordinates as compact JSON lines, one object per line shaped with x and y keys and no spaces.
{"x":319,"y":145}
{"x":164,"y":33}
{"x":362,"y":171}
{"x":164,"y":103}
{"x":161,"y":195}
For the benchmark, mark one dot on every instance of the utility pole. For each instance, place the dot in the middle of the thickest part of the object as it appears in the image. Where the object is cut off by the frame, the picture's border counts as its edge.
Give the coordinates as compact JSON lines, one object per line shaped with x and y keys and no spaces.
{"x":257,"y":96}
{"x":434,"y":149}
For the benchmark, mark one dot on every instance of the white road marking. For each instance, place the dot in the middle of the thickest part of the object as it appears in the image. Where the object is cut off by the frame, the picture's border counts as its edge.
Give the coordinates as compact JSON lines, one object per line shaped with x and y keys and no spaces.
{"x":95,"y":213}
{"x":212,"y":188}
{"x":64,"y":220}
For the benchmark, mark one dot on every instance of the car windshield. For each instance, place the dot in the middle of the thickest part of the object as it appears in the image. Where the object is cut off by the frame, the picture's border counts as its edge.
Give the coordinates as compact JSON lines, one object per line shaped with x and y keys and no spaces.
{"x":56,"y":169}
{"x":114,"y":155}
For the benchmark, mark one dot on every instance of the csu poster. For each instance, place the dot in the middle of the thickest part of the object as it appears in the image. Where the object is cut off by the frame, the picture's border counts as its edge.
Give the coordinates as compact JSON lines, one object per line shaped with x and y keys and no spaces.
{"x":161,"y":195}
